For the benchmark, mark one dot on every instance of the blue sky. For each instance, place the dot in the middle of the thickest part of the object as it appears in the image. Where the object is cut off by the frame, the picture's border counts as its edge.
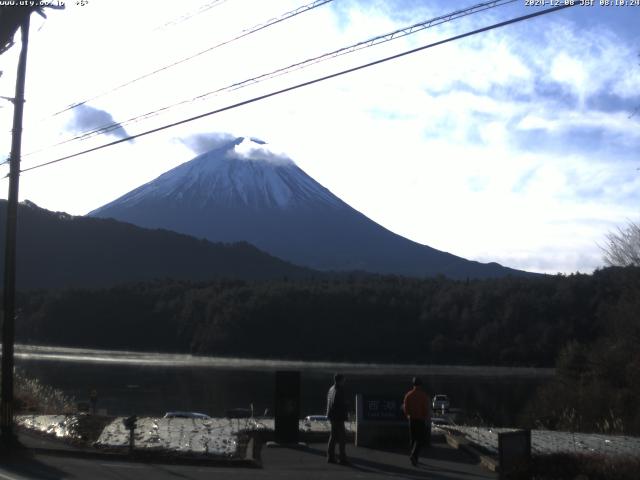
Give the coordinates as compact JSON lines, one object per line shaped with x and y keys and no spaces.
{"x":519,"y":145}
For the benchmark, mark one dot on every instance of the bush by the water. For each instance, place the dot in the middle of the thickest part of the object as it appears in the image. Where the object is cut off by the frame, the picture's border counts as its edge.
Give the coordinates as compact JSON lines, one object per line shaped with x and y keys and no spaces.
{"x":597,"y":384}
{"x":32,"y":396}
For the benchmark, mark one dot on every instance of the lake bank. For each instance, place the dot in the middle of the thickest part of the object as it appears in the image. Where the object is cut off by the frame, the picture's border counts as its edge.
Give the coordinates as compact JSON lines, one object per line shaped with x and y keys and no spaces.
{"x":149,"y":384}
{"x":120,"y":357}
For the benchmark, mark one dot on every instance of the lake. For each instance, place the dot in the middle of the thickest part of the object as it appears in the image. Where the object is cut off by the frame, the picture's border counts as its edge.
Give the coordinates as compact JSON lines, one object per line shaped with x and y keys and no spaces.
{"x":153,"y":383}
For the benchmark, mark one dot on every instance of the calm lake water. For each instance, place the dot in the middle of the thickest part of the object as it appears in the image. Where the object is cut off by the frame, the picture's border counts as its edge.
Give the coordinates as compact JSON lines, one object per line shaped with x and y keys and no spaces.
{"x":151,"y":384}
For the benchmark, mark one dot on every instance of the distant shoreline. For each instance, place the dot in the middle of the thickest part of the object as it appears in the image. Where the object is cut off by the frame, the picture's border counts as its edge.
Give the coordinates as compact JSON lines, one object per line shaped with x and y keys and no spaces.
{"x":119,"y":357}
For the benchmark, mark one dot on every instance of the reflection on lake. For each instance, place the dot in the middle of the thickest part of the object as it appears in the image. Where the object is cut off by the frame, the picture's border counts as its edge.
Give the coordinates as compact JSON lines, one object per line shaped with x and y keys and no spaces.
{"x":151,"y":384}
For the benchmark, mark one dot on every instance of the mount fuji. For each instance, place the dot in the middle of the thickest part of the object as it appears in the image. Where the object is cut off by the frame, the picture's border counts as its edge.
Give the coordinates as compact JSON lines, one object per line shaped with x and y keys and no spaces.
{"x":240,"y":191}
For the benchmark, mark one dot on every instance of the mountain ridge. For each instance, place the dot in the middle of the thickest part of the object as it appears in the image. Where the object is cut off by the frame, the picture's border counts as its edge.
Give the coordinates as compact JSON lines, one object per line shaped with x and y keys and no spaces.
{"x":58,"y":250}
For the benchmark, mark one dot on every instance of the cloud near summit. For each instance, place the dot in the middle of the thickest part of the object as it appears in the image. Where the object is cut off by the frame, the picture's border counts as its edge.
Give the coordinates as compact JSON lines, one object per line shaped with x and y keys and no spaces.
{"x":254,"y":149}
{"x":245,"y":148}
{"x":205,"y":142}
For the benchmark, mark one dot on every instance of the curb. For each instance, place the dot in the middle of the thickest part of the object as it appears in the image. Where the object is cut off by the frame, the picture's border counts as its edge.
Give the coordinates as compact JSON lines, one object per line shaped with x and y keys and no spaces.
{"x":461,"y":443}
{"x":150,"y":457}
{"x":250,"y":459}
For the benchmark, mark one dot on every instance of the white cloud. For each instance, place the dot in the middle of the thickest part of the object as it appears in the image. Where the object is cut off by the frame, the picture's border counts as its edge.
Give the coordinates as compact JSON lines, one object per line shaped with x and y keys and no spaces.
{"x":248,"y":149}
{"x":569,"y":71}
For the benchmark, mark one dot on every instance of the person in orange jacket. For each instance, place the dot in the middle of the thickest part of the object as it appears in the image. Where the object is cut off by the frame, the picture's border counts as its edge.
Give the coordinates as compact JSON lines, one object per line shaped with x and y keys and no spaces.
{"x":416,"y":407}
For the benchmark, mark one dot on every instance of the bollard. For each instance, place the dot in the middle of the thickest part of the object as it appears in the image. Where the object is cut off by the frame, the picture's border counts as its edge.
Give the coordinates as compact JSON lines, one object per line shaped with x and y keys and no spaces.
{"x":287,"y":407}
{"x":130,"y":424}
{"x":514,"y":455}
{"x":93,"y":398}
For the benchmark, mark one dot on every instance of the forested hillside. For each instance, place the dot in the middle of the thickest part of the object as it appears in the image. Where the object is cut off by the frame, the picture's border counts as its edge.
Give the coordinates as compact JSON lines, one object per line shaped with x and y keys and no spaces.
{"x":58,"y":250}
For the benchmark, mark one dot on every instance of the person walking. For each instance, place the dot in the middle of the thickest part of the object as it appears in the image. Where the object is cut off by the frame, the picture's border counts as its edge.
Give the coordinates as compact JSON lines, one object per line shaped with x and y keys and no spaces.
{"x":416,"y":408}
{"x":337,"y":415}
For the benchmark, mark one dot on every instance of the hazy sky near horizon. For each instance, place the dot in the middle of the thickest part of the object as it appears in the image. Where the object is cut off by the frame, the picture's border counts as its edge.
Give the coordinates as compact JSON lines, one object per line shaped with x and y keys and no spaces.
{"x":519,"y":145}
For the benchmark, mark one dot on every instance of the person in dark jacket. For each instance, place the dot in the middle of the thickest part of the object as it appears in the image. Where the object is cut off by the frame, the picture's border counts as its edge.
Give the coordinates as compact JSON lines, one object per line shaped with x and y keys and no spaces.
{"x":417,"y":409}
{"x":337,"y":415}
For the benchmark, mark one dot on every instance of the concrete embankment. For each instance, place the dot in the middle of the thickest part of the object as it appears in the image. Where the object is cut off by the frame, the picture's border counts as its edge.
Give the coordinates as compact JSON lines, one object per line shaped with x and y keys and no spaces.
{"x":547,"y":442}
{"x":211,"y":439}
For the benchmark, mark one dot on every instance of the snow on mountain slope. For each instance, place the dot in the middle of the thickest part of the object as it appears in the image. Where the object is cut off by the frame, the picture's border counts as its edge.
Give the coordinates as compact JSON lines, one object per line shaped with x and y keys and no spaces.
{"x":242,"y":172}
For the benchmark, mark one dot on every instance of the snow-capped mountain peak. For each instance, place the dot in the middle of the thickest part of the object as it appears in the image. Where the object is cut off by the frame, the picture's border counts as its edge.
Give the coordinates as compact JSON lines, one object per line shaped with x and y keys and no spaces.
{"x":241,"y":171}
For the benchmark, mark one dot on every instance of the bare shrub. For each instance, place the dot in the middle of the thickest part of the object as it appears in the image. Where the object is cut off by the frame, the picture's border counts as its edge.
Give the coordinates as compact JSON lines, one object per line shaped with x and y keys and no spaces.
{"x":33,"y":396}
{"x":623,"y":246}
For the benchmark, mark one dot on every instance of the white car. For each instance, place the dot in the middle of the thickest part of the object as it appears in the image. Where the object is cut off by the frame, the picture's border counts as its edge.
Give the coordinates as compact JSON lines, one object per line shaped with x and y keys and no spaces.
{"x":316,"y":418}
{"x":440,"y":402}
{"x":315,"y":423}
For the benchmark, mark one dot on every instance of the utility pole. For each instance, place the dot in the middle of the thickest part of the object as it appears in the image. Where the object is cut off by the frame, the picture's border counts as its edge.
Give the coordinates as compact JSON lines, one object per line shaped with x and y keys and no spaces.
{"x":8,"y":324}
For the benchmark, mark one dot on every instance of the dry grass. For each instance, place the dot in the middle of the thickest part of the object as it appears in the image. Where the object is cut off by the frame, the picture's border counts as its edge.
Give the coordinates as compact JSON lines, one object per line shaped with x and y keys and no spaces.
{"x":34,"y":397}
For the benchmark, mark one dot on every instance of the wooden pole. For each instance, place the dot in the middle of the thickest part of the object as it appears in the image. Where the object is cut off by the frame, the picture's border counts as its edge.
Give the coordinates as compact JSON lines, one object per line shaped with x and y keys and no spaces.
{"x":8,"y":324}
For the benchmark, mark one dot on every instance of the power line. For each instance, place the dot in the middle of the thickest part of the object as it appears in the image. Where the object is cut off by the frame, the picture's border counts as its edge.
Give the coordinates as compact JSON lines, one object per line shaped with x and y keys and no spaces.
{"x":312,"y":61}
{"x":377,"y":40}
{"x":187,"y":16}
{"x":202,"y":9}
{"x":399,"y":33}
{"x":307,"y":83}
{"x":242,"y":34}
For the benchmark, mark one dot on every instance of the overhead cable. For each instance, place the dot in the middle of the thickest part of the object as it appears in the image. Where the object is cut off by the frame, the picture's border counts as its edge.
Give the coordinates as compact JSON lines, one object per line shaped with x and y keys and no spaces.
{"x":242,"y":34}
{"x":306,"y":84}
{"x":399,"y":33}
{"x":187,"y":16}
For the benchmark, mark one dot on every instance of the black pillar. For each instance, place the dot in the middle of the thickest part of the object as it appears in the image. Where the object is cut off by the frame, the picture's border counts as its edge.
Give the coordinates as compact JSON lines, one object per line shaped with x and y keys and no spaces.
{"x":287,"y":406}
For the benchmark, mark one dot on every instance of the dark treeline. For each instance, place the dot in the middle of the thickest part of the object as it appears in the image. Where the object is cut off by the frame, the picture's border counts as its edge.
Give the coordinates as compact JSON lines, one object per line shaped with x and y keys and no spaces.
{"x":509,"y":321}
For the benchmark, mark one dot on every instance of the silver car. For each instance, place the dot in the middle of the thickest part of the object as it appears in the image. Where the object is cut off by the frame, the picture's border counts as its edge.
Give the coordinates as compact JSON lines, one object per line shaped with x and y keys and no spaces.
{"x":440,"y":402}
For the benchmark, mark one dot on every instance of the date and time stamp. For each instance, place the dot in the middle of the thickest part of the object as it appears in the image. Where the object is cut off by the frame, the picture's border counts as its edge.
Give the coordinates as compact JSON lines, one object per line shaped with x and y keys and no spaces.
{"x":582,"y":3}
{"x":44,"y":3}
{"x":527,"y":3}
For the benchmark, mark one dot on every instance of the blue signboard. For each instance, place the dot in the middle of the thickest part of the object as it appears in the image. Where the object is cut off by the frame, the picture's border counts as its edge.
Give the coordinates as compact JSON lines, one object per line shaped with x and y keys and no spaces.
{"x":375,"y":407}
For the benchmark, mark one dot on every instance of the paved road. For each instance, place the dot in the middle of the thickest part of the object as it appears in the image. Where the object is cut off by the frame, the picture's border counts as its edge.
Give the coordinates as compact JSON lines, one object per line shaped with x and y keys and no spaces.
{"x":443,"y":463}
